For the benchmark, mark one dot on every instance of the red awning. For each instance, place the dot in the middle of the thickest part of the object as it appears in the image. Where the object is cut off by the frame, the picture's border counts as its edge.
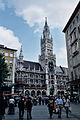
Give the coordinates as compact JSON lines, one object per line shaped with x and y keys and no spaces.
{"x":10,"y":94}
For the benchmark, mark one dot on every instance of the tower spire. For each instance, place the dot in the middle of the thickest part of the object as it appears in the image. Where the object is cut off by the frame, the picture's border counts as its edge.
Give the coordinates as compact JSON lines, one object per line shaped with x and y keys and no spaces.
{"x":45,"y":21}
{"x":21,"y":54}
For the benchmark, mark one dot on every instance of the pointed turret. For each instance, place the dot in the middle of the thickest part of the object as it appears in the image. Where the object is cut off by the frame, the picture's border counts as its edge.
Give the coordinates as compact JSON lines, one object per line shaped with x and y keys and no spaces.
{"x":21,"y":55}
{"x":46,"y":31}
{"x":46,"y":21}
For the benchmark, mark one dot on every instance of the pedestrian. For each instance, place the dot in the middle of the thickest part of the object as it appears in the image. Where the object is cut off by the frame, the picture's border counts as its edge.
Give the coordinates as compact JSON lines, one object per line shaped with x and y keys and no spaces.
{"x":40,"y":100}
{"x":2,"y":107}
{"x":50,"y":106}
{"x":55,"y":110}
{"x":29,"y":107}
{"x":21,"y":107}
{"x":11,"y":106}
{"x":66,"y":105}
{"x":59,"y":105}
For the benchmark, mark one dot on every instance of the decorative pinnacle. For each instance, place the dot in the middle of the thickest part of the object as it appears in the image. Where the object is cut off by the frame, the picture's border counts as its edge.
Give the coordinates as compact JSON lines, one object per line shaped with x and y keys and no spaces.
{"x":45,"y":21}
{"x":21,"y":52}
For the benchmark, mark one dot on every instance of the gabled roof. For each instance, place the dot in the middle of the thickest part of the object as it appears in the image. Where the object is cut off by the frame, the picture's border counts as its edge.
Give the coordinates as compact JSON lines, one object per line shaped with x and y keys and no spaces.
{"x":32,"y":65}
{"x":61,"y":70}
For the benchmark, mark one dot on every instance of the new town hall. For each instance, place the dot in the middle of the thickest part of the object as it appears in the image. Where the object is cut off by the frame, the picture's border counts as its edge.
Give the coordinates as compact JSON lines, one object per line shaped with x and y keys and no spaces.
{"x":43,"y":77}
{"x":36,"y":78}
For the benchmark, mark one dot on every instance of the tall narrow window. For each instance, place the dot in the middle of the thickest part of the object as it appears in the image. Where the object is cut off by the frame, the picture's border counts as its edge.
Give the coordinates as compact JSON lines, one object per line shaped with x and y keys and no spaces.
{"x":79,"y":29}
{"x":77,"y":17}
{"x":6,"y":54}
{"x":11,"y":54}
{"x":73,"y":23}
{"x":70,"y":28}
{"x":74,"y":34}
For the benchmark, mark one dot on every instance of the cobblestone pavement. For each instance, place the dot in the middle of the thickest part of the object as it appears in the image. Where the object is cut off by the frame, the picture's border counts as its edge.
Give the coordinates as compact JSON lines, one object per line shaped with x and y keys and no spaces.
{"x":41,"y":113}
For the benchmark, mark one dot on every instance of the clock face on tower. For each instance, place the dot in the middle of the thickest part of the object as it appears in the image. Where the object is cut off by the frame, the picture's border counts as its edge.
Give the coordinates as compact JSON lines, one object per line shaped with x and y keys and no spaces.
{"x":51,"y":66}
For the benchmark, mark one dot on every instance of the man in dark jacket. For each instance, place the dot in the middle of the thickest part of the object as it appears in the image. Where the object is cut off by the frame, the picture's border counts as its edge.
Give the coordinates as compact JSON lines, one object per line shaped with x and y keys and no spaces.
{"x":21,"y":107}
{"x":29,"y":107}
{"x":50,"y":106}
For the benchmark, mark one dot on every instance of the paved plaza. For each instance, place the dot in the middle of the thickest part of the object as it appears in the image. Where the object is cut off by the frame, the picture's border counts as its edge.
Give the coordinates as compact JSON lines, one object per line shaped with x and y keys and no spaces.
{"x":41,"y":113}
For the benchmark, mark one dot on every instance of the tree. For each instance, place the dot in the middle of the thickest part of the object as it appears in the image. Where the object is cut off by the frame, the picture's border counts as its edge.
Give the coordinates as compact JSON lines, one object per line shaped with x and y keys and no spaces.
{"x":3,"y":75}
{"x":3,"y":70}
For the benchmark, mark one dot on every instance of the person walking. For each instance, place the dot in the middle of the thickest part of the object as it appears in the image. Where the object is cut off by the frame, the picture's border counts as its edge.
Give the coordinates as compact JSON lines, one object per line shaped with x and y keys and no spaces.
{"x":29,"y":107}
{"x":66,"y":105}
{"x":40,"y":100}
{"x":50,"y":106}
{"x":11,"y":106}
{"x":21,"y":107}
{"x":59,"y":105}
{"x":2,"y":107}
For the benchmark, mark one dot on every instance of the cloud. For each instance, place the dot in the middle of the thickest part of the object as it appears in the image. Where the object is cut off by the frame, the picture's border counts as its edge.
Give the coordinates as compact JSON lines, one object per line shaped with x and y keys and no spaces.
{"x":57,"y":12}
{"x":2,"y":5}
{"x":8,"y":38}
{"x":62,"y":57}
{"x":32,"y":15}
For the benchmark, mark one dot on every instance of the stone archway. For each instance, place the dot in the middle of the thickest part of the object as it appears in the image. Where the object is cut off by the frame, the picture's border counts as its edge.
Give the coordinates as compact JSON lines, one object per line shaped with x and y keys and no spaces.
{"x":38,"y":92}
{"x":43,"y":93}
{"x":27,"y":92}
{"x":32,"y":93}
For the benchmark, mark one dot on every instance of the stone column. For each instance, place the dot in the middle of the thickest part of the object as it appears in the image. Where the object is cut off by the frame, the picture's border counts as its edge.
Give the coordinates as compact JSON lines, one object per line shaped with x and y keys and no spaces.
{"x":47,"y":81}
{"x":55,"y":83}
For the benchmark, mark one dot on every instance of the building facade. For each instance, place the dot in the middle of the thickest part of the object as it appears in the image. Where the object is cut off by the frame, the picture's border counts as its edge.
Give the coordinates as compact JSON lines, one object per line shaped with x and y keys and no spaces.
{"x":30,"y":77}
{"x":72,"y":35}
{"x":62,"y":79}
{"x":43,"y":77}
{"x":10,"y":59}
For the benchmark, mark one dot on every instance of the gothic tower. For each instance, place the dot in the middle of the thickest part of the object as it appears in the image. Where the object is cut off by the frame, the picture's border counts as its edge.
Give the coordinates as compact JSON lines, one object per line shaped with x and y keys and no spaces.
{"x":47,"y":59}
{"x":20,"y":62}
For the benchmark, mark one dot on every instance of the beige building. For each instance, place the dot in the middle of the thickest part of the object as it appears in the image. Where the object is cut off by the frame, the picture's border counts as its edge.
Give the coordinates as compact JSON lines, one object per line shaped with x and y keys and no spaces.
{"x":72,"y":35}
{"x":10,"y":55}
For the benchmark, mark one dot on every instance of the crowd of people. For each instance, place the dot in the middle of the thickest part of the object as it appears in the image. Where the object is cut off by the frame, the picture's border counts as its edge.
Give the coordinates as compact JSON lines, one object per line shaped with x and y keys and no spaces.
{"x":57,"y":103}
{"x":54,"y":104}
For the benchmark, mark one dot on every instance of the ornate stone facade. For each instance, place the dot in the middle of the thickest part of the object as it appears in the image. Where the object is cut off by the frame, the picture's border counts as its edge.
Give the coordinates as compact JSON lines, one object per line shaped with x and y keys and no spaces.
{"x":30,"y":77}
{"x":39,"y":78}
{"x":47,"y":59}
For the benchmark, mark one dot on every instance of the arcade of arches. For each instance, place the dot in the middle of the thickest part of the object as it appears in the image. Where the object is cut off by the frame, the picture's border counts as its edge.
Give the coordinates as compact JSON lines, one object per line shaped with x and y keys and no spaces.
{"x":35,"y":93}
